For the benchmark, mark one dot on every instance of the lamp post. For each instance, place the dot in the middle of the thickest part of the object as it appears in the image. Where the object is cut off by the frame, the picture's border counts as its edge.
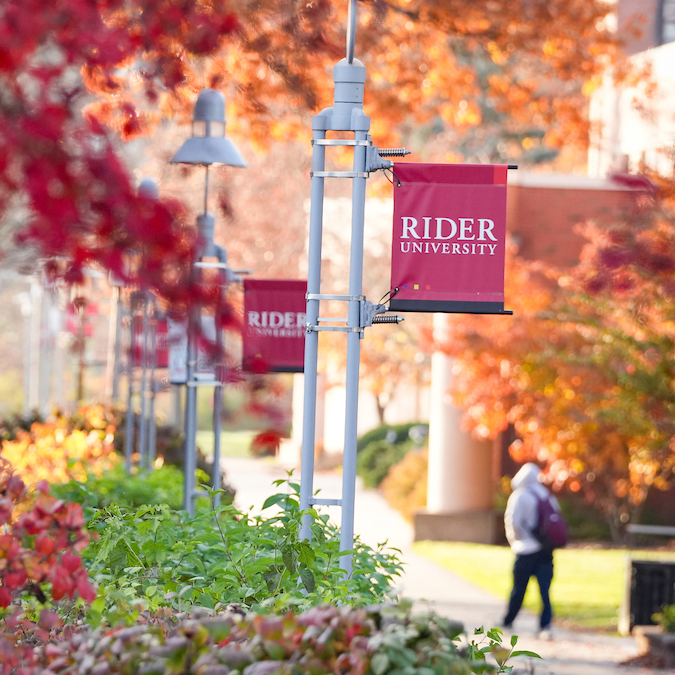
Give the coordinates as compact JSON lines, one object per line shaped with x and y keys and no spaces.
{"x":346,"y":115}
{"x":148,"y":189}
{"x":205,"y":147}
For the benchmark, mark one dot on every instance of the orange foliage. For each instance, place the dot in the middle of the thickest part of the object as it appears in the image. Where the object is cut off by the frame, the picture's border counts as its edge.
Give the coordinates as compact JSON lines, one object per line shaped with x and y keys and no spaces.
{"x":405,"y":486}
{"x":483,"y":79}
{"x":583,"y":371}
{"x":57,"y":452}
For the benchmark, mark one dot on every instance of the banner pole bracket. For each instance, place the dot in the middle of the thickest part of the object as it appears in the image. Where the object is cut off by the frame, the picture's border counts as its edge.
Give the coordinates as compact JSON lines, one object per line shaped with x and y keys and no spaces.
{"x":369,"y":312}
{"x":328,"y":296}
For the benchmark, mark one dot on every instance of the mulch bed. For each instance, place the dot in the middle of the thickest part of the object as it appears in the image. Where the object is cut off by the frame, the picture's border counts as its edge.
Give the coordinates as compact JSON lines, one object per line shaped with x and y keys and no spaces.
{"x":648,"y":661}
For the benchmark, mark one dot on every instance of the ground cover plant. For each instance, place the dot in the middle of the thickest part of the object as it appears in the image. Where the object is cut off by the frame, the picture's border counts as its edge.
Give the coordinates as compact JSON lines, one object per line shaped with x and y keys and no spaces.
{"x":321,"y":640}
{"x":588,"y":583}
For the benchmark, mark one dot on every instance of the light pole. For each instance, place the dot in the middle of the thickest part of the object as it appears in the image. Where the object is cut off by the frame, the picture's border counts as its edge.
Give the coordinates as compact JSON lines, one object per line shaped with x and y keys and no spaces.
{"x":205,"y":147}
{"x":148,"y":189}
{"x":346,"y":114}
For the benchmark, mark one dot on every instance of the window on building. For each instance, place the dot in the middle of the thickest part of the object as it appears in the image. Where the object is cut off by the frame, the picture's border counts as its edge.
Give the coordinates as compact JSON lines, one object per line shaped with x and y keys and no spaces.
{"x":667,"y":21}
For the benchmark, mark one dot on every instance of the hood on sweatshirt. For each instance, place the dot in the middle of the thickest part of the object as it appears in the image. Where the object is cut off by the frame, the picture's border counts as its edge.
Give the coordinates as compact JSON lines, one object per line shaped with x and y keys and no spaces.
{"x":527,"y":476}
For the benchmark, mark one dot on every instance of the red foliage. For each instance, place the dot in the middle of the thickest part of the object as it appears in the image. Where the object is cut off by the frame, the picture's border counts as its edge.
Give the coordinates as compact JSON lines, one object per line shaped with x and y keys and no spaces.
{"x":266,"y":443}
{"x":82,"y":203}
{"x":39,"y":545}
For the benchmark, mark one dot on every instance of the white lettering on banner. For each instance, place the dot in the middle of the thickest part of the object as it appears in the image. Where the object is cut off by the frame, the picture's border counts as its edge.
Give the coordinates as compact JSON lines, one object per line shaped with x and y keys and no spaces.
{"x":276,"y":320}
{"x":447,"y":249}
{"x":465,"y":229}
{"x":279,"y":332}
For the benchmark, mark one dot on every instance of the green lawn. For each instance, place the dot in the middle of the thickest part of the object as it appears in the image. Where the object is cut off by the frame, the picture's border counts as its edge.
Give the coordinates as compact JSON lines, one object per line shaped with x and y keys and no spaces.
{"x":588,"y":584}
{"x":232,"y":443}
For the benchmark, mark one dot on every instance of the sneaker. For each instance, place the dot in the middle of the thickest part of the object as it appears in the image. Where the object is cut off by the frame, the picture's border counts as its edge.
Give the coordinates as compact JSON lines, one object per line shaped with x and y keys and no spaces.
{"x":545,"y":634}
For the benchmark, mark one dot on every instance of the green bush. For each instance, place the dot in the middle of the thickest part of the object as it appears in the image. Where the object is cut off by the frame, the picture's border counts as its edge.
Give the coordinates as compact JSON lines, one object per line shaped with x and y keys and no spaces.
{"x":666,"y":618}
{"x":156,"y":557}
{"x":159,"y":486}
{"x":400,"y":433}
{"x":375,"y":460}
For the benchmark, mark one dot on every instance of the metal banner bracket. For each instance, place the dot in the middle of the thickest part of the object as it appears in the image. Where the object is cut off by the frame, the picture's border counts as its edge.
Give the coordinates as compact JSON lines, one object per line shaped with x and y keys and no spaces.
{"x":369,"y":312}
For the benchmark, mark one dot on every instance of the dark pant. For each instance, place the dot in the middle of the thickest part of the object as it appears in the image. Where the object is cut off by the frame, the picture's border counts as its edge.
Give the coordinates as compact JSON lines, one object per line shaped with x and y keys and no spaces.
{"x":540,"y":566}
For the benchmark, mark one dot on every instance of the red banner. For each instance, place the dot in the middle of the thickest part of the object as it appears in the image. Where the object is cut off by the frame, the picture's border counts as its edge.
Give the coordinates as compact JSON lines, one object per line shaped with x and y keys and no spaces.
{"x":274,"y":325}
{"x":449,"y":238}
{"x":161,"y":346}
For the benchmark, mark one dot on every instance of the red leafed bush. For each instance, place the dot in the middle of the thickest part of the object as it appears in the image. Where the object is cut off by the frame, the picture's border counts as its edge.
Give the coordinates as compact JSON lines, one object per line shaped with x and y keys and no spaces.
{"x":40,"y":542}
{"x":266,"y":443}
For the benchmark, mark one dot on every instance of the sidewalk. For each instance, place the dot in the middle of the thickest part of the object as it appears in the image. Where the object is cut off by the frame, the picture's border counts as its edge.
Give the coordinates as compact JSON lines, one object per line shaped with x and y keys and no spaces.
{"x":569,"y":653}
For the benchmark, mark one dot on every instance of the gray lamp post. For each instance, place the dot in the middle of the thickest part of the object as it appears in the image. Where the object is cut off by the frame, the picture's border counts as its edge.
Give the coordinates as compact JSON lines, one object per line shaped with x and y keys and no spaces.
{"x":147,"y":188}
{"x":206,"y":146}
{"x":346,"y":114}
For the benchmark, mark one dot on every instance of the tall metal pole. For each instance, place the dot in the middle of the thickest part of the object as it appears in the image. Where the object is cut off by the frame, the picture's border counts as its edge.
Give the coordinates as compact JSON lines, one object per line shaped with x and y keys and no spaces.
{"x":218,"y":391}
{"x":26,"y":311}
{"x":143,"y":418}
{"x":194,"y":327}
{"x":209,"y":146}
{"x":129,"y":417}
{"x":191,"y":409}
{"x":345,"y":115}
{"x":312,"y":315}
{"x":117,"y":345}
{"x":46,"y":348}
{"x":353,"y":354}
{"x":36,"y":304}
{"x":152,"y":414}
{"x":216,"y":482}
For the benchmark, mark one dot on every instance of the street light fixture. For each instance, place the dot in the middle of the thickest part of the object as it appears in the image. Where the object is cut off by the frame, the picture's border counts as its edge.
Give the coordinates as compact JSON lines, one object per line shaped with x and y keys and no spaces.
{"x":206,"y":146}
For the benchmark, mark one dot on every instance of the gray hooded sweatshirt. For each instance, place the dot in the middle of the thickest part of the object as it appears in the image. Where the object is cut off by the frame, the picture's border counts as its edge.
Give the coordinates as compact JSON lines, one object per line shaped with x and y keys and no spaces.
{"x":521,"y":509}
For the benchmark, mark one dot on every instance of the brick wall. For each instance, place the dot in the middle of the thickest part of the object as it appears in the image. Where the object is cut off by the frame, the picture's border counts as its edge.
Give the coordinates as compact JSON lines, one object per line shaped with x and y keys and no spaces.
{"x":542,"y":219}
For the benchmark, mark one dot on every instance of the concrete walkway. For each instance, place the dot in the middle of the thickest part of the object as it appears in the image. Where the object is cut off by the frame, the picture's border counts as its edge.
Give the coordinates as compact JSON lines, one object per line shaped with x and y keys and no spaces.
{"x":568,"y":653}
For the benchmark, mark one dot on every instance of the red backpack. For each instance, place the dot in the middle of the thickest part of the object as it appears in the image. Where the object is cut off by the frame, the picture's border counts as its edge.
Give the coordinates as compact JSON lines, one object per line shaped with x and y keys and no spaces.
{"x":551,"y":530}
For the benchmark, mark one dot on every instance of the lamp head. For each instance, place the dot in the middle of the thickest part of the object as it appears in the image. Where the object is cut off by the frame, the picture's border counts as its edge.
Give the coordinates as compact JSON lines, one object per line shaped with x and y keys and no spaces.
{"x":208,"y":144}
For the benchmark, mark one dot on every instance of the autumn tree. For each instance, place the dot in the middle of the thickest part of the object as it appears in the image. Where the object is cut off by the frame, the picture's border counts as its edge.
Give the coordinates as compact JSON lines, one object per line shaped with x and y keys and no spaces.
{"x":79,"y":77}
{"x":584,"y":369}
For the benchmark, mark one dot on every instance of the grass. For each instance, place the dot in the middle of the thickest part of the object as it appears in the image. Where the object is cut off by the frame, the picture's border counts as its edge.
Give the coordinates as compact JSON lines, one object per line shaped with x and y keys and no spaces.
{"x":588,"y":583}
{"x":232,"y":443}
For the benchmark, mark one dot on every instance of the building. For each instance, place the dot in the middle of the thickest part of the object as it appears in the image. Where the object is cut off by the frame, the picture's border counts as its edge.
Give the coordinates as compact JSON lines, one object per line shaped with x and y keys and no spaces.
{"x":635,"y":124}
{"x":542,"y":211}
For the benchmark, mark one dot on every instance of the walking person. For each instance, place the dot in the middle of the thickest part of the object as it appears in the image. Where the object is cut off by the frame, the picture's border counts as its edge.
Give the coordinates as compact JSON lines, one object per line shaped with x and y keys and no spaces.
{"x":533,"y":558}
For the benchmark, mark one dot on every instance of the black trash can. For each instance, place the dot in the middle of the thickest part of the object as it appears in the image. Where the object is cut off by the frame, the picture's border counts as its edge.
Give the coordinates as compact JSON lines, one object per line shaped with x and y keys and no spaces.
{"x":652,"y":586}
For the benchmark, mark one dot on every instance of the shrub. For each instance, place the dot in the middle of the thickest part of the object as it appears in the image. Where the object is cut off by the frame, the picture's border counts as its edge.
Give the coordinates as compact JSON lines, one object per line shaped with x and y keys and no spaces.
{"x":666,"y":618}
{"x":405,"y":486}
{"x":319,"y":641}
{"x":154,"y":557}
{"x":375,"y":460}
{"x":64,"y":448}
{"x":39,"y":544}
{"x":265,"y":443}
{"x":394,"y":433}
{"x":159,"y":486}
{"x":171,"y":447}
